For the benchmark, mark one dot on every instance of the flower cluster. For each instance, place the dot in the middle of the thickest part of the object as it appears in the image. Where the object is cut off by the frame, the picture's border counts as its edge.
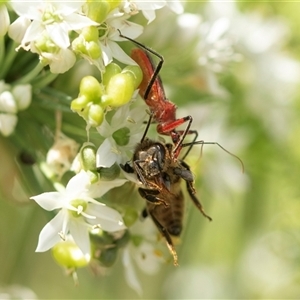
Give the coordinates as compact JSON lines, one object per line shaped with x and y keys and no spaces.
{"x":62,"y":35}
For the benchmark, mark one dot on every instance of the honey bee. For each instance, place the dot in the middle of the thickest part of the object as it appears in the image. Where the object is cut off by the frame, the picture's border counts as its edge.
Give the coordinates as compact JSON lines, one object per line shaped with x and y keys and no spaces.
{"x":161,"y":175}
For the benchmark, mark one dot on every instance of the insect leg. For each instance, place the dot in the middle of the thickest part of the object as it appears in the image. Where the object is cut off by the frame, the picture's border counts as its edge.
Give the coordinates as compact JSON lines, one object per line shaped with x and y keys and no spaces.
{"x":151,"y":196}
{"x":127,"y":168}
{"x":178,"y":136}
{"x":167,"y":236}
{"x":191,"y":191}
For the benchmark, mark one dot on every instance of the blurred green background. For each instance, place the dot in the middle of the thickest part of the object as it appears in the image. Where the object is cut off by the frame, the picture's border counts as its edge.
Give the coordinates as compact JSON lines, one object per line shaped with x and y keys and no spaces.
{"x":251,"y":107}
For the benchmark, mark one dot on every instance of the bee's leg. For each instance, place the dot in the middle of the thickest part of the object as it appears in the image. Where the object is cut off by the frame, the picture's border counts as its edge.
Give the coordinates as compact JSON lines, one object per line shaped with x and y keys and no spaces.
{"x":167,"y":236}
{"x":191,"y":191}
{"x":151,"y":196}
{"x":127,"y":168}
{"x":144,"y":213}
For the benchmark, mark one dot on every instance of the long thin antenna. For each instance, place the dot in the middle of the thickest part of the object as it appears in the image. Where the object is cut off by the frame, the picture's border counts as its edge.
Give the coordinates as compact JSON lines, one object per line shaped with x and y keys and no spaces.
{"x":214,"y":143}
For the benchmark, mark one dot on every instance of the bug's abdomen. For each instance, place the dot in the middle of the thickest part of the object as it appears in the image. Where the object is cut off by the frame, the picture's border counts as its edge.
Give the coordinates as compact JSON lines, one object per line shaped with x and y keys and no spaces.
{"x":170,"y":217}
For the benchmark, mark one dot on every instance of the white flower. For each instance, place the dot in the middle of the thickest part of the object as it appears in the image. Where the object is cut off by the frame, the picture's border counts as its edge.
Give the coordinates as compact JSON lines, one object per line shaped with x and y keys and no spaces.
{"x":61,"y":154}
{"x":129,"y":125}
{"x":108,"y":42}
{"x":4,"y":19}
{"x":56,"y":18}
{"x":12,"y":100}
{"x":59,"y":60}
{"x":78,"y":212}
{"x":22,"y":94}
{"x":144,"y":254}
{"x":8,"y":123}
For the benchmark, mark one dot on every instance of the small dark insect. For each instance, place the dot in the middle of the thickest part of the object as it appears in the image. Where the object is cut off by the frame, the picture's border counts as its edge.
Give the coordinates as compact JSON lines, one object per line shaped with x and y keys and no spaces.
{"x":26,"y":158}
{"x":161,"y":175}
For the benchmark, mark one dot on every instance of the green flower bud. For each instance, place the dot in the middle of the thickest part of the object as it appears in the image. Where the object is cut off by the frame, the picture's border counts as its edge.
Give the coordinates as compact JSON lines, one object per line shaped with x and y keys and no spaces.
{"x":97,"y":10}
{"x":108,"y":256}
{"x":80,"y":105}
{"x":111,"y":70}
{"x":88,"y":157}
{"x":96,"y":115}
{"x":93,"y":50}
{"x":122,"y":242}
{"x":45,"y":44}
{"x":130,"y":216}
{"x":120,"y":89}
{"x":78,"y":44}
{"x":94,"y":176}
{"x":106,"y":100}
{"x":136,"y":73}
{"x":91,"y":88}
{"x":90,"y":33}
{"x":100,"y":239}
{"x":122,"y":136}
{"x":109,"y":173}
{"x":68,"y":255}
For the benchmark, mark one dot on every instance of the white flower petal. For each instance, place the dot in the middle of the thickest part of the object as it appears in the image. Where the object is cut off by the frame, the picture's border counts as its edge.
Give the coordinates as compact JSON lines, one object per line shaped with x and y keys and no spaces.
{"x":119,"y":54}
{"x":108,"y":218}
{"x":8,"y":123}
{"x":76,"y":22}
{"x":22,"y":95}
{"x":105,"y":157}
{"x":146,"y":259}
{"x":176,"y":6}
{"x":17,"y":29}
{"x":29,"y":9}
{"x":49,"y":235}
{"x":68,"y":8}
{"x":8,"y":103}
{"x":33,"y":31}
{"x":62,"y":61}
{"x":78,"y":184}
{"x":130,"y":275}
{"x":117,"y":121}
{"x":58,"y":32}
{"x":49,"y":200}
{"x":105,"y":129}
{"x":127,"y":28}
{"x":100,"y":188}
{"x":150,"y":5}
{"x":80,"y":234}
{"x":106,"y":53}
{"x":149,"y":15}
{"x":4,"y":19}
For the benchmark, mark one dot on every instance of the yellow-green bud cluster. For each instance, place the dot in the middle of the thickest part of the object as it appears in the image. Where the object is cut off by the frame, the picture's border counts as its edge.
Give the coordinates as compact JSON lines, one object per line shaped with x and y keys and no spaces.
{"x":87,"y":43}
{"x":116,"y":90}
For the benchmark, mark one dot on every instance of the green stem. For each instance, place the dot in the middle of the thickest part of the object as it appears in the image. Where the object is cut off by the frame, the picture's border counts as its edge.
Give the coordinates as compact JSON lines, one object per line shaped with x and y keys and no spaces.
{"x":2,"y":50}
{"x":31,"y":75}
{"x":9,"y":59}
{"x":19,"y":253}
{"x":44,"y":80}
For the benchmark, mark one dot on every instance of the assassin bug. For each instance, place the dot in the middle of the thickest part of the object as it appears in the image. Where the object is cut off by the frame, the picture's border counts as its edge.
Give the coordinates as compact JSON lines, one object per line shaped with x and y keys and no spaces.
{"x":161,"y":176}
{"x":152,"y":91}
